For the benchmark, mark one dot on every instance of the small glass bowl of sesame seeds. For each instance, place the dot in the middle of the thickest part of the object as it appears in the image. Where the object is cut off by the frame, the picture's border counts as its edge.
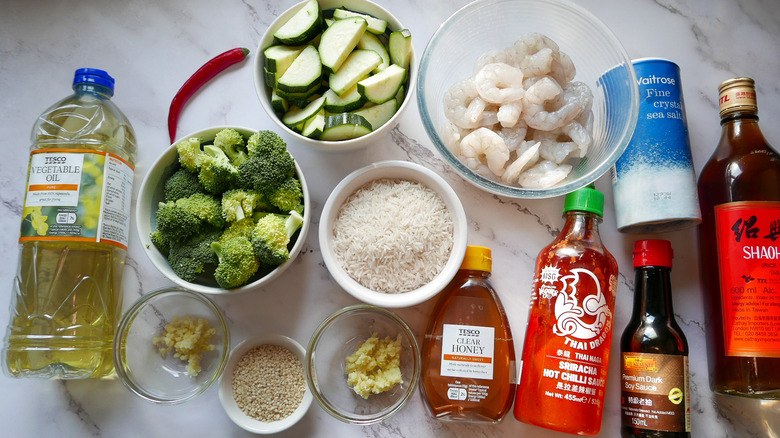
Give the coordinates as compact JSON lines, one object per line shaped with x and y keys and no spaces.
{"x":263,"y":389}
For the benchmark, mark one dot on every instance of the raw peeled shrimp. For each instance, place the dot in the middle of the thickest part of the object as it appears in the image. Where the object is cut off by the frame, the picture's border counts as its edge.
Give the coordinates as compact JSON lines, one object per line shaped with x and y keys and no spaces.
{"x":474,"y":110}
{"x":509,"y":113}
{"x":562,"y":68}
{"x":456,"y":103}
{"x":484,"y":142}
{"x":527,"y":155}
{"x":552,"y":148}
{"x":566,"y":108}
{"x":499,"y":83}
{"x":579,"y":135}
{"x":514,"y":136}
{"x":534,"y":54}
{"x":451,"y":135}
{"x":544,"y":174}
{"x":493,"y":56}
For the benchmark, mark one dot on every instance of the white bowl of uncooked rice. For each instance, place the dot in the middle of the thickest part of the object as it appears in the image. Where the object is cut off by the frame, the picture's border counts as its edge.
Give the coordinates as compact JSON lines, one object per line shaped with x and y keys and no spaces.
{"x":263,"y":389}
{"x":393,"y":234}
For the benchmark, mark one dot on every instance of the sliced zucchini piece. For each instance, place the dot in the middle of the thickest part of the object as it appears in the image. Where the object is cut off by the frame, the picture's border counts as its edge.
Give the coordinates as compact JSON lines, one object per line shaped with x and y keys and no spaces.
{"x":279,"y":105}
{"x":375,"y":25}
{"x":344,"y":126}
{"x":314,"y":126}
{"x":303,"y":26}
{"x":400,"y":47}
{"x":297,"y":116}
{"x":303,"y":74}
{"x":350,"y":100}
{"x":338,"y":41}
{"x":356,"y":67}
{"x":299,"y":99}
{"x":378,"y":115}
{"x":278,"y":58}
{"x":384,"y":85}
{"x":270,"y":78}
{"x":369,"y":41}
{"x":400,"y":95}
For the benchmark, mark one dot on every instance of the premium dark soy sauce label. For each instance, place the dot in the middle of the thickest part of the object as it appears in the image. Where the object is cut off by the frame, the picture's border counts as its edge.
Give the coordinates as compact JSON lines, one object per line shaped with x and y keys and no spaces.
{"x":655,"y":392}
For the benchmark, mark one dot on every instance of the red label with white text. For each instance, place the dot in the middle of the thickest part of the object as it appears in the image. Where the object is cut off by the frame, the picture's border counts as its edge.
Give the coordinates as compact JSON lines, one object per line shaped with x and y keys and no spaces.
{"x":748,"y":239}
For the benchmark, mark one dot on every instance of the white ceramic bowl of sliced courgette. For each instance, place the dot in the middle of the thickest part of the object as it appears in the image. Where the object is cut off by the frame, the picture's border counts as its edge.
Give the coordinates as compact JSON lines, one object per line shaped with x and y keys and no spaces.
{"x":335,"y":74}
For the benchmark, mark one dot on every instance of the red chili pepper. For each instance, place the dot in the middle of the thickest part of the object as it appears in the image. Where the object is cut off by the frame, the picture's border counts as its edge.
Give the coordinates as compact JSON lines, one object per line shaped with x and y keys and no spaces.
{"x":198,"y":79}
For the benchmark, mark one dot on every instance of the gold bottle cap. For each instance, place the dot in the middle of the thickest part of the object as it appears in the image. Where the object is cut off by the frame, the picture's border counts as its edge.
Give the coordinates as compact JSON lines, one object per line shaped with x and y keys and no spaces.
{"x":478,"y":258}
{"x":738,"y":94}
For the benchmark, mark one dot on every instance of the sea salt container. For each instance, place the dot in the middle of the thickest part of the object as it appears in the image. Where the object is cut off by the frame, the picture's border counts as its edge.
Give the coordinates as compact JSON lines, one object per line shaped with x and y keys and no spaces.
{"x":654,"y":183}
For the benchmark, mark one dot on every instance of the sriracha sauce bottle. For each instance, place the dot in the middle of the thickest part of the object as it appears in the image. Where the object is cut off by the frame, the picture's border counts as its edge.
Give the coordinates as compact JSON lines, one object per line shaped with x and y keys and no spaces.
{"x":566,"y":351}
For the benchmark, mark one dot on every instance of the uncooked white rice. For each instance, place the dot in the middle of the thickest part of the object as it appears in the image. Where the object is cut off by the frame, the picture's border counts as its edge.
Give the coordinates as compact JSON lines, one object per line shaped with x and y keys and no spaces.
{"x":393,"y":235}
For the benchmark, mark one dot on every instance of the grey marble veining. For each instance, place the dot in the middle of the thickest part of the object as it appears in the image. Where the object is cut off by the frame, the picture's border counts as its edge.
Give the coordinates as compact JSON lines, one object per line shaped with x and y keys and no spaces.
{"x":151,"y":47}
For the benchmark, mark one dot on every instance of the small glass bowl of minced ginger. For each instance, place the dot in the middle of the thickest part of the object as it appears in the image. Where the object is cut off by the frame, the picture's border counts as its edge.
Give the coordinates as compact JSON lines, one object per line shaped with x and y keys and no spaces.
{"x":171,"y":345}
{"x":345,"y":341}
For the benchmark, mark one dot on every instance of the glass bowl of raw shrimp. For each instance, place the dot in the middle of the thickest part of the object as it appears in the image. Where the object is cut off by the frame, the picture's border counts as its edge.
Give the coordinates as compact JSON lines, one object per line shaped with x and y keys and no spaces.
{"x":527,"y":98}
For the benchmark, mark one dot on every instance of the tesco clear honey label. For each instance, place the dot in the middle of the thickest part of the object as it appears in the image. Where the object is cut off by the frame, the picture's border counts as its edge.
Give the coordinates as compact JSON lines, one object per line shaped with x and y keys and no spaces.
{"x":467,"y":351}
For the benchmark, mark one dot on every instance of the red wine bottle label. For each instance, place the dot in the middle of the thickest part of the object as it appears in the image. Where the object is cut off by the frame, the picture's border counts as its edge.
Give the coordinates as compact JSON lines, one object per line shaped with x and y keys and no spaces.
{"x":748,"y":242}
{"x":654,"y":393}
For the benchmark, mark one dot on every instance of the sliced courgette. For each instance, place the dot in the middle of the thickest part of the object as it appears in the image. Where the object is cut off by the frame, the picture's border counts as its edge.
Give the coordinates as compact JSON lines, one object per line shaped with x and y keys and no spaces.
{"x":314,"y":126}
{"x":279,"y":105}
{"x":375,"y":25}
{"x":400,"y":47}
{"x":304,"y":73}
{"x":303,"y":26}
{"x":299,"y":99}
{"x":344,"y":126}
{"x":350,"y":100}
{"x":270,"y":78}
{"x":297,"y":116}
{"x":369,"y":41}
{"x":338,"y":41}
{"x":382,"y":86}
{"x":356,"y":67}
{"x":279,"y":57}
{"x":400,"y":95}
{"x":378,"y":115}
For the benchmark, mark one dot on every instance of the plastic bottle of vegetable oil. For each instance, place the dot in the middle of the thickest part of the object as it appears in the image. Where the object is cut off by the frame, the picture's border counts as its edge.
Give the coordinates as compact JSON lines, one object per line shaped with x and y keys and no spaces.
{"x":74,"y":234}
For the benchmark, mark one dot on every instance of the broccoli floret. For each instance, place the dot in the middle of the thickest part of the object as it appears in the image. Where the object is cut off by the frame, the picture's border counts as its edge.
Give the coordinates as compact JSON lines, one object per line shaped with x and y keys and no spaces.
{"x":232,"y":143}
{"x":185,"y":217}
{"x":189,"y":151}
{"x":188,"y":257}
{"x":182,"y":184}
{"x":160,"y":241}
{"x":271,"y":236}
{"x":216,"y":173}
{"x":288,"y":195}
{"x":237,"y":262}
{"x":262,"y":142}
{"x":242,"y":227}
{"x":239,"y":203}
{"x":269,"y":164}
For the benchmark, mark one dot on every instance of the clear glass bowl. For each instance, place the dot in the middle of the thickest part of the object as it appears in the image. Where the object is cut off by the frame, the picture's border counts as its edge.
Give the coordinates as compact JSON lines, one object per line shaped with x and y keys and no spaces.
{"x":338,"y":337}
{"x":163,"y":379}
{"x":481,"y":26}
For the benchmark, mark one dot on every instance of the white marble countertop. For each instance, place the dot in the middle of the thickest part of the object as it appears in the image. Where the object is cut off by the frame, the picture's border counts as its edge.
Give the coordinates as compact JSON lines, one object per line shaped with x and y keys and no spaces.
{"x":151,"y":47}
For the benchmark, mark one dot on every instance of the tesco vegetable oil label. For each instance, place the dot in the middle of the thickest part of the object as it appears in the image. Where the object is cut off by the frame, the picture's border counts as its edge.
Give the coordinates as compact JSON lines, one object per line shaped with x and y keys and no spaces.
{"x":78,"y":195}
{"x":467,"y":351}
{"x":574,"y":365}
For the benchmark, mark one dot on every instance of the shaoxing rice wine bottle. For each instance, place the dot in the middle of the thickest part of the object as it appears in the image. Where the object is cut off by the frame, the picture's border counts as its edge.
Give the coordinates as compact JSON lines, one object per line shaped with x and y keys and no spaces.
{"x":739,"y":190}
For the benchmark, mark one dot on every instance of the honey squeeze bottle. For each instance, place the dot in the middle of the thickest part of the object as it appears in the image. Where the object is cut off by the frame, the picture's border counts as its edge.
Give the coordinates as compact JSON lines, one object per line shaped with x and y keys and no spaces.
{"x":567,"y":342}
{"x":468,"y":356}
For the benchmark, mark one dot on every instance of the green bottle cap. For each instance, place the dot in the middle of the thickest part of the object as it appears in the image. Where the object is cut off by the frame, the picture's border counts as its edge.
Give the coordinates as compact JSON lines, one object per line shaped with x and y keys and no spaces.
{"x":585,"y":199}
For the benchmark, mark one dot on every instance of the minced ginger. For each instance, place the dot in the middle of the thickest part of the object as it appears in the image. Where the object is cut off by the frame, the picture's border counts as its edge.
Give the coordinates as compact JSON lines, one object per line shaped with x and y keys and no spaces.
{"x":374,"y":367}
{"x":189,"y":339}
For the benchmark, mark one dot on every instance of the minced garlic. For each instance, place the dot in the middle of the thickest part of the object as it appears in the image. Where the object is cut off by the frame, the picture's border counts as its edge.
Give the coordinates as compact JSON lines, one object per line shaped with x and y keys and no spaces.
{"x":188,"y":338}
{"x":374,"y":367}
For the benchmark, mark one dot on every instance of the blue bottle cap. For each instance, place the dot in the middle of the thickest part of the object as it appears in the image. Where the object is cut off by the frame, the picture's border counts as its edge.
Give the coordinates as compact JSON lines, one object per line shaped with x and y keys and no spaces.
{"x":94,"y":76}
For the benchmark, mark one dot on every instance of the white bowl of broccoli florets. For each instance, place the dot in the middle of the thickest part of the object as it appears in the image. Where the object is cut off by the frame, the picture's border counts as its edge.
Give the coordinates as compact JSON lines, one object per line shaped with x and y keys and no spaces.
{"x":224,"y":209}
